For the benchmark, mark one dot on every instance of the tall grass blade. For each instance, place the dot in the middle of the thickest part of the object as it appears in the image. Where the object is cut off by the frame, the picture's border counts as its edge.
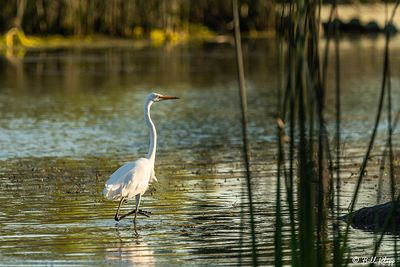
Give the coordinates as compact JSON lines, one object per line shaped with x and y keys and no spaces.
{"x":373,"y":134}
{"x":243,"y":108}
{"x":337,"y":259}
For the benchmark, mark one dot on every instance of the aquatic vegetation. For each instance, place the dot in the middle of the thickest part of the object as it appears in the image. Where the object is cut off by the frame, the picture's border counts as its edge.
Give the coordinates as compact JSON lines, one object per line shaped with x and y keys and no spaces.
{"x":273,"y":195}
{"x":314,"y":217}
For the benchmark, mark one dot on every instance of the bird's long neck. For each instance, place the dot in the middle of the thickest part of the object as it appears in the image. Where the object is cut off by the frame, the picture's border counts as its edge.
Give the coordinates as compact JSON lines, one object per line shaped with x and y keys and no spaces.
{"x":151,"y":155}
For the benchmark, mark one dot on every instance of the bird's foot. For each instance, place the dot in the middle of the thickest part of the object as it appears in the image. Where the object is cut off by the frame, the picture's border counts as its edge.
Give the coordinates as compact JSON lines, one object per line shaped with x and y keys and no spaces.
{"x":145,"y":213}
{"x":141,"y":212}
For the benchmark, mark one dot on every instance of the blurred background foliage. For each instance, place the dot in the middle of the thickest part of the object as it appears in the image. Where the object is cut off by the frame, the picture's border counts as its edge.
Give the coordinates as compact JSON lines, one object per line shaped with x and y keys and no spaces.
{"x":132,"y":18}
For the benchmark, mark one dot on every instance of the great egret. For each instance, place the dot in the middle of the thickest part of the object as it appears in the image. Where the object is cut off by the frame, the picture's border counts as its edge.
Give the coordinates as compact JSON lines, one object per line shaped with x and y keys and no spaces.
{"x":132,"y":179}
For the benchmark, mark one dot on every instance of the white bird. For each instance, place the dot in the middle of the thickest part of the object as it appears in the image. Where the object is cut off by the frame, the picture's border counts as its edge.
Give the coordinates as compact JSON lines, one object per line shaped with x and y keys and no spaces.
{"x":132,"y":179}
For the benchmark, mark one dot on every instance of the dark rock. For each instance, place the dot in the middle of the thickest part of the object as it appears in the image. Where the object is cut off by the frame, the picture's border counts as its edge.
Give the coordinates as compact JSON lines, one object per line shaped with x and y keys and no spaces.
{"x":330,"y":27}
{"x":354,"y":25}
{"x":373,"y":218}
{"x":391,"y":29}
{"x":372,"y":27}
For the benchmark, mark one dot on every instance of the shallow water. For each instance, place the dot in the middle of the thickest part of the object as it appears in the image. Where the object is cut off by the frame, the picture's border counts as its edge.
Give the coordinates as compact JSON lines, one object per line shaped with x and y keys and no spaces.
{"x":70,"y":117}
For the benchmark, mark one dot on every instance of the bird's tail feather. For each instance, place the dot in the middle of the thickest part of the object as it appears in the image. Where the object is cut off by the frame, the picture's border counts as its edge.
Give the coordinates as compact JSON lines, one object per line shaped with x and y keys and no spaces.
{"x":112,"y":192}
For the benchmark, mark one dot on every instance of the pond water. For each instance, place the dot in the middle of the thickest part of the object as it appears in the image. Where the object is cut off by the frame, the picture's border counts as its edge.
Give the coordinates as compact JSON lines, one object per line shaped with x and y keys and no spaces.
{"x":70,"y":117}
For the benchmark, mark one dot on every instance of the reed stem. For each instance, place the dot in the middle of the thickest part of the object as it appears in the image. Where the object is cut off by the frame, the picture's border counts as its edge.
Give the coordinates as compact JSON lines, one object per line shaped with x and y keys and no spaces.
{"x":243,"y":108}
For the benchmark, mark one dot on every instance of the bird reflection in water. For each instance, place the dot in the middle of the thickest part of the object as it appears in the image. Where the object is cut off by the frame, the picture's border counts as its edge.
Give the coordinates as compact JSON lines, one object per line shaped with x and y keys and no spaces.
{"x":130,"y":249}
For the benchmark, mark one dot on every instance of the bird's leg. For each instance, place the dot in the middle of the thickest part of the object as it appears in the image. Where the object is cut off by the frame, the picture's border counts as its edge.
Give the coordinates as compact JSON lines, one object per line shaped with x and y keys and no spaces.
{"x":144,"y":212}
{"x":135,"y":211}
{"x":139,"y":211}
{"x":116,"y":214}
{"x":137,"y":197}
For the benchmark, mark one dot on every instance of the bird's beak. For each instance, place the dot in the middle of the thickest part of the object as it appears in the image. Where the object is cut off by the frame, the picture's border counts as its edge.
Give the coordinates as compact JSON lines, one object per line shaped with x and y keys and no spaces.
{"x":167,"y":97}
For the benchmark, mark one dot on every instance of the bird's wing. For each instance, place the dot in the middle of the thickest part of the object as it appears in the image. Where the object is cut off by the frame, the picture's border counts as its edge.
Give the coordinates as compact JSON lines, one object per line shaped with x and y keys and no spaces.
{"x":137,"y":181}
{"x":124,"y":169}
{"x":128,"y":181}
{"x":114,"y":185}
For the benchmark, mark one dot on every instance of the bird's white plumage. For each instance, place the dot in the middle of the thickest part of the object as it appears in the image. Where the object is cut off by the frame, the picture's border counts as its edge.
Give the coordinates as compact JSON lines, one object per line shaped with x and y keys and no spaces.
{"x":129,"y":180}
{"x":132,"y":179}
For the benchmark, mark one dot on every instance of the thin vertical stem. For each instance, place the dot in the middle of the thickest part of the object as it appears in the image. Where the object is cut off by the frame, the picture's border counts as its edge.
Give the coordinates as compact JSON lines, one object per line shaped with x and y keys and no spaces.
{"x":243,"y":107}
{"x":390,"y":133}
{"x":307,"y":257}
{"x":278,"y":220}
{"x":336,"y":224}
{"x":291,"y":89}
{"x":322,"y":135}
{"x":280,"y":164}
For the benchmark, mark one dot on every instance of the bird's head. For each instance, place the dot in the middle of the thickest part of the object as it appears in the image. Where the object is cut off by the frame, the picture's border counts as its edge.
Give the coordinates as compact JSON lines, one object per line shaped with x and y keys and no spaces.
{"x":155,"y":97}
